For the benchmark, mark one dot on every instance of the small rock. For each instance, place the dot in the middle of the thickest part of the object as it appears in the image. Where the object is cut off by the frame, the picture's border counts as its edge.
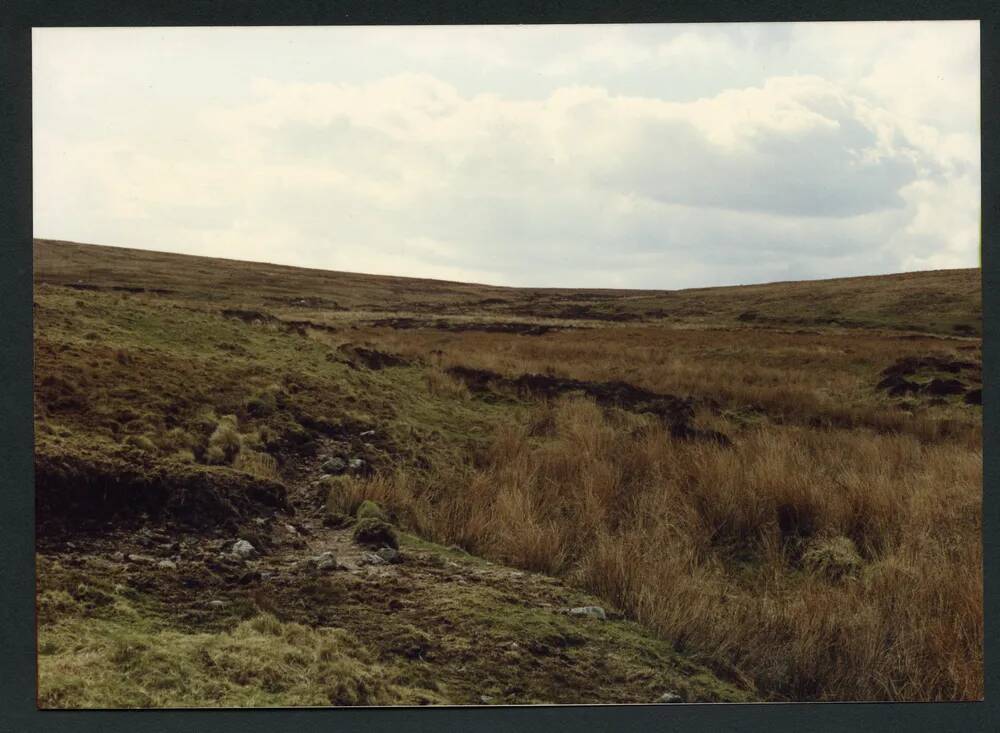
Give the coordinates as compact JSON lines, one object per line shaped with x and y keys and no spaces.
{"x":132,"y":557}
{"x":485,"y":699}
{"x":668,"y":697}
{"x":366,"y":433}
{"x":389,"y":555}
{"x":216,"y":604}
{"x":325,"y":561}
{"x":260,"y":521}
{"x":355,"y":463}
{"x":166,"y":565}
{"x":592,"y":611}
{"x":371,"y":558}
{"x":118,"y":557}
{"x":291,"y":529}
{"x":333,"y":465}
{"x":242,"y":548}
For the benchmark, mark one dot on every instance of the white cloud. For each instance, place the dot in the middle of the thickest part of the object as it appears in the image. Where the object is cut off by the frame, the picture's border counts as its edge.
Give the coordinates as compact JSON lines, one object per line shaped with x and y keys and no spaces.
{"x":814,"y":167}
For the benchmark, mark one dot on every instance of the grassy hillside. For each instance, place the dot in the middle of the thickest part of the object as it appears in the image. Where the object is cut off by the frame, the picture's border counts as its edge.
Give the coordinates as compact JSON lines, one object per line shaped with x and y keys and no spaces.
{"x":773,"y":491}
{"x":945,"y":301}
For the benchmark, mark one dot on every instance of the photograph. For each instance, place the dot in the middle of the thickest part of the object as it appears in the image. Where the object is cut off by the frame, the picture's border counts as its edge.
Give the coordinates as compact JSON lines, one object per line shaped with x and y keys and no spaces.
{"x":507,"y":365}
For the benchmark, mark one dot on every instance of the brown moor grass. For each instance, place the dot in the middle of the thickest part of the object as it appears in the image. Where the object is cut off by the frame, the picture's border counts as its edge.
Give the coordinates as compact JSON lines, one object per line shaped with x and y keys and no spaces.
{"x":706,"y":544}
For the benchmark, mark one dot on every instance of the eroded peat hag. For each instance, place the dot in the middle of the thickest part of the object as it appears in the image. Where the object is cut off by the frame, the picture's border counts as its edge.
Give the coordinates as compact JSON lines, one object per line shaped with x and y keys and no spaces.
{"x":257,"y":487}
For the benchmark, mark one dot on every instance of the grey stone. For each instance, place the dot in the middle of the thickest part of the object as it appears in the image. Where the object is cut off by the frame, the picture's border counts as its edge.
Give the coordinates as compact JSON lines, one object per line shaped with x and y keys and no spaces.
{"x":389,"y":555}
{"x":325,"y":561}
{"x":355,"y":463}
{"x":242,"y":548}
{"x":371,"y":558}
{"x":333,"y":465}
{"x":166,"y":565}
{"x":592,"y":611}
{"x":216,"y":604}
{"x":668,"y":697}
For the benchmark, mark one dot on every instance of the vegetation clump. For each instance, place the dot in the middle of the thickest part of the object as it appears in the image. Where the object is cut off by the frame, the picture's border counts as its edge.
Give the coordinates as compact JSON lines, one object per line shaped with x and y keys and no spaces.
{"x":370,"y":509}
{"x":374,"y":532}
{"x":835,"y":557}
{"x":225,"y":442}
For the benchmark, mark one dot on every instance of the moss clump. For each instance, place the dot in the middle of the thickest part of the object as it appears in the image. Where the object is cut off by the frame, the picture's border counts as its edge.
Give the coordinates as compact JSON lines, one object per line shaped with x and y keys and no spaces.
{"x":370,"y":509}
{"x":375,"y":533}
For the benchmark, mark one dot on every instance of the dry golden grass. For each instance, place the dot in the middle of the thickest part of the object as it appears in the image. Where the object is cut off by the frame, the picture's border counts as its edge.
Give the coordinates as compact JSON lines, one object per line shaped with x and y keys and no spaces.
{"x":716,"y":548}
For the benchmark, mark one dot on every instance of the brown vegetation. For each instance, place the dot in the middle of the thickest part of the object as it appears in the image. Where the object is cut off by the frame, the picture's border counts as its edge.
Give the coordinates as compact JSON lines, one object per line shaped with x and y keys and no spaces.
{"x":728,"y":467}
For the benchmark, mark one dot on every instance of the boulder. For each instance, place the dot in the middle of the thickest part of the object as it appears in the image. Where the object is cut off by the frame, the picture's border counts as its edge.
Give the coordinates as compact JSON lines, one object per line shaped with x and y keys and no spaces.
{"x":243,"y":549}
{"x":592,"y":611}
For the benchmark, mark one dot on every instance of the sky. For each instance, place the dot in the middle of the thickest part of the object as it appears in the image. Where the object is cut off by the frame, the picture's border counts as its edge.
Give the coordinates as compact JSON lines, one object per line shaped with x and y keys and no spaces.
{"x":620,"y":156}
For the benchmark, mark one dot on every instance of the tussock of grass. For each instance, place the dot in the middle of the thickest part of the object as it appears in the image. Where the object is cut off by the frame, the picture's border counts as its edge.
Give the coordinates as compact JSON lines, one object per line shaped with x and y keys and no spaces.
{"x":742,"y":553}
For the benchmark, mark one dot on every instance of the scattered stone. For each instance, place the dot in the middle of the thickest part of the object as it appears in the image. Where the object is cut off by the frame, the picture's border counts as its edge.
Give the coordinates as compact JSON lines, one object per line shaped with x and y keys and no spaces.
{"x":291,"y":529}
{"x":216,"y":604}
{"x":485,"y":699}
{"x":325,"y":561}
{"x":592,"y":611}
{"x":366,"y":433}
{"x":388,"y":554}
{"x":333,"y":465}
{"x":355,"y":464}
{"x":166,"y":565}
{"x":371,"y":558}
{"x":118,"y":557}
{"x":243,"y":549}
{"x":668,"y":697}
{"x":140,"y":558}
{"x":260,"y":520}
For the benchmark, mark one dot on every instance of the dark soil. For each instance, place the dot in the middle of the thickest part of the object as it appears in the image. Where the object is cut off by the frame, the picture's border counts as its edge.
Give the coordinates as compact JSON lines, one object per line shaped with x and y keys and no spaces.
{"x":675,"y":412}
{"x":897,"y":386}
{"x":250,"y":316}
{"x":369,"y":358}
{"x":84,"y":489}
{"x":525,"y":329}
{"x":914,"y":364}
{"x":945,"y":387}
